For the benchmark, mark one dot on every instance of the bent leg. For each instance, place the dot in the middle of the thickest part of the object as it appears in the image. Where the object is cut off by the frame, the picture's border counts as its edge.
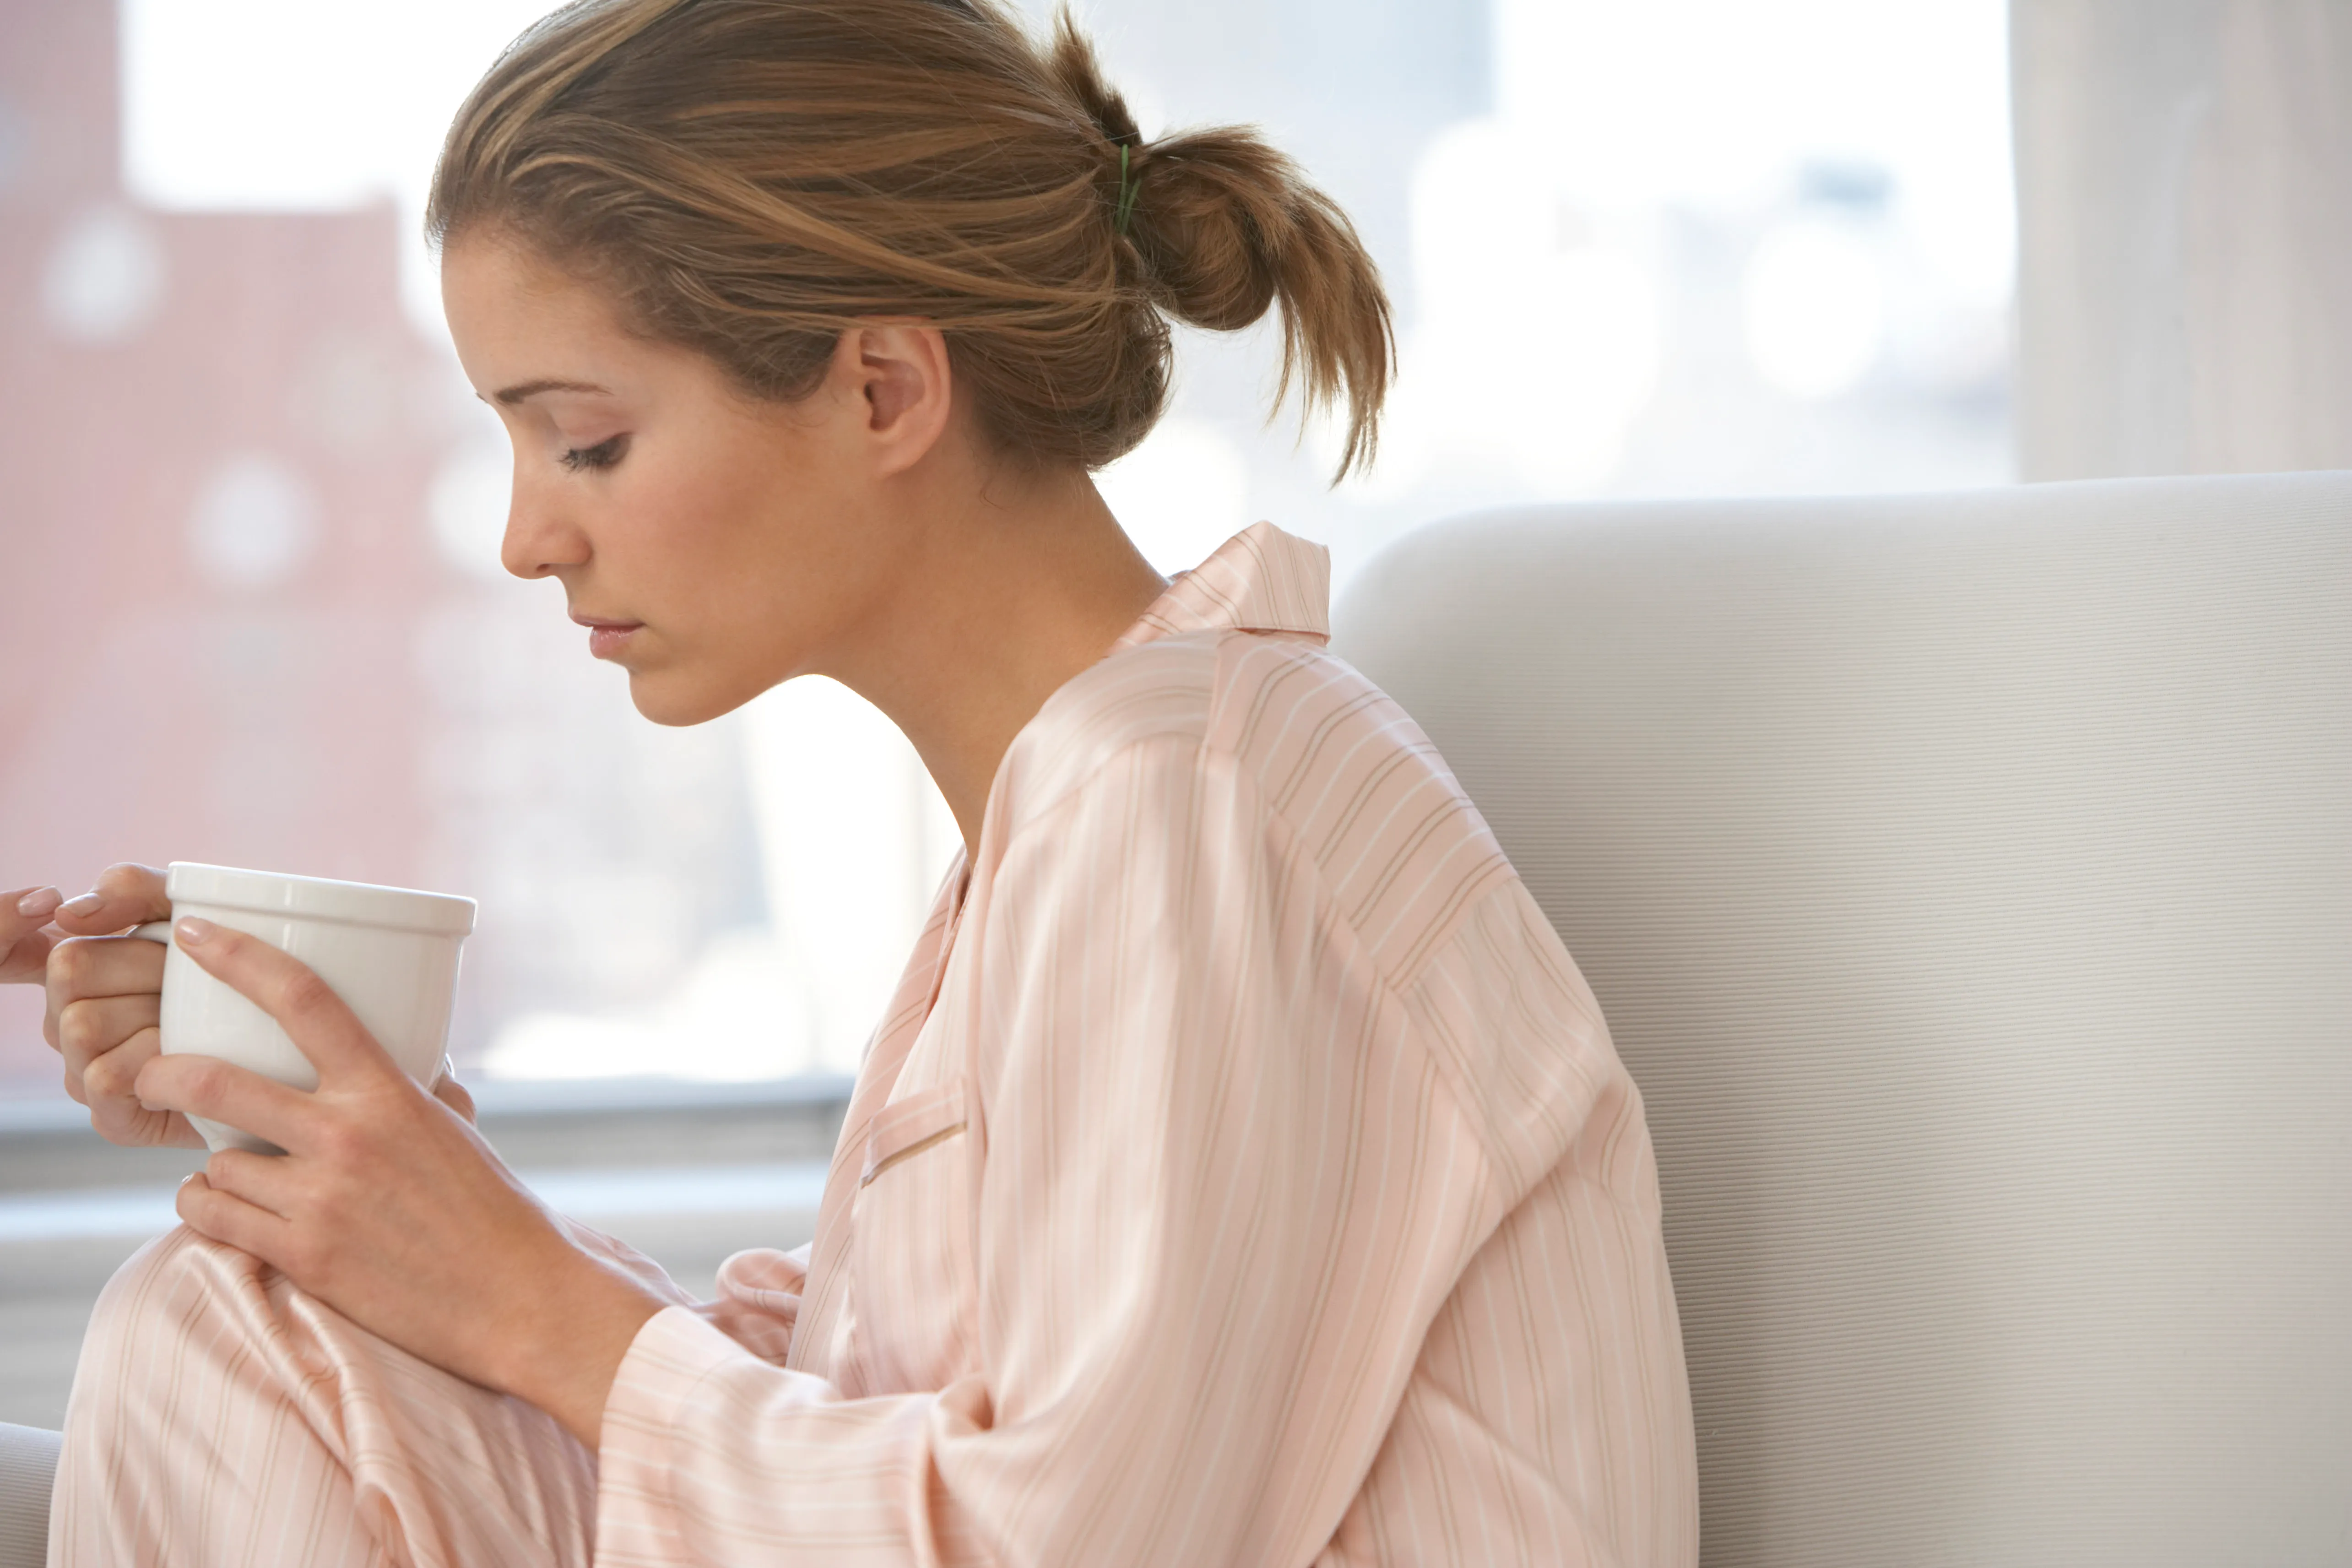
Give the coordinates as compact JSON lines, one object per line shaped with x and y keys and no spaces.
{"x":219,"y":1415}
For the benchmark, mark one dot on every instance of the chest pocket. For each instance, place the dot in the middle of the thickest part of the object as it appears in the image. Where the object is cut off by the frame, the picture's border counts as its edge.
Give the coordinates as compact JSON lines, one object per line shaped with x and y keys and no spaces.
{"x":913,"y":1282}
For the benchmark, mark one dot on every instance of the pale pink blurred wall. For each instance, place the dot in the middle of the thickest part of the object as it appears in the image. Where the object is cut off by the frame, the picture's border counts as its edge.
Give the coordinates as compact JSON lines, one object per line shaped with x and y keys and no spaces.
{"x":150,"y":709}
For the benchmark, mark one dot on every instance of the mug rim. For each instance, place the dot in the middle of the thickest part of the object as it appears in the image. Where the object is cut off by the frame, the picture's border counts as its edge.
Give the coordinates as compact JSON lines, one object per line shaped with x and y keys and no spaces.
{"x":319,"y":898}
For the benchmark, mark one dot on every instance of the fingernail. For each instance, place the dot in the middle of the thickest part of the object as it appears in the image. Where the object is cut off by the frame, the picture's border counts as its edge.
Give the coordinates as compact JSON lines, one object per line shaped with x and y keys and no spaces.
{"x":193,"y":931}
{"x":40,"y":904}
{"x":87,"y":904}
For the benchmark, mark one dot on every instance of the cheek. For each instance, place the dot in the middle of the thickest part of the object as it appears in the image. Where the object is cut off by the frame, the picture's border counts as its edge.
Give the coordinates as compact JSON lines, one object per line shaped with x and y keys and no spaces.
{"x":743,"y":561}
{"x":755,"y":542}
{"x":683,"y":529}
{"x":777,"y":513}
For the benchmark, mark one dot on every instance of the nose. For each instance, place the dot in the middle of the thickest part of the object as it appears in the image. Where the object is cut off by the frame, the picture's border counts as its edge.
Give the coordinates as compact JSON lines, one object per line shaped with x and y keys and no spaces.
{"x":540,"y":539}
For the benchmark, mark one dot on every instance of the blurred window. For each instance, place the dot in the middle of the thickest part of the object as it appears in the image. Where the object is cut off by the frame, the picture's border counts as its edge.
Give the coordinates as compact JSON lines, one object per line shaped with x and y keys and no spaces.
{"x":1675,"y":248}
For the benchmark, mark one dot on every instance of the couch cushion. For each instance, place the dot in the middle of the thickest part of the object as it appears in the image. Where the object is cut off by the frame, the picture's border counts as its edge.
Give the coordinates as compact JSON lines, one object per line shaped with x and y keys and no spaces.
{"x":28,"y":1469}
{"x":1967,"y":883}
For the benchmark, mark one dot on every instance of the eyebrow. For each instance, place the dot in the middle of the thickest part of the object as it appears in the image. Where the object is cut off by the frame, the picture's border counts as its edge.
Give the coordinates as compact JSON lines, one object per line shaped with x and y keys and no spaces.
{"x":518,"y":393}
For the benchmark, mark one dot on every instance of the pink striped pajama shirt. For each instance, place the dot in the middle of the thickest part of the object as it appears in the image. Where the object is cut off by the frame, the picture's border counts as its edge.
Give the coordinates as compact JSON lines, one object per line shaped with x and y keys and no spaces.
{"x":1241,"y":1175}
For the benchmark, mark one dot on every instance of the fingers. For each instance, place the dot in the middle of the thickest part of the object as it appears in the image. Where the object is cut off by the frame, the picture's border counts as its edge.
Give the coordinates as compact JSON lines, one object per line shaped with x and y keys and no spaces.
{"x":225,"y":1092}
{"x":122,"y":896}
{"x":104,"y":1001}
{"x":121,"y":1120}
{"x":322,"y":1028}
{"x":34,"y":920}
{"x":265,"y":1181}
{"x":27,"y":908}
{"x":225,"y":1216}
{"x":25,"y":934}
{"x":85,"y":967}
{"x":95,"y":1029}
{"x":106,"y":1040}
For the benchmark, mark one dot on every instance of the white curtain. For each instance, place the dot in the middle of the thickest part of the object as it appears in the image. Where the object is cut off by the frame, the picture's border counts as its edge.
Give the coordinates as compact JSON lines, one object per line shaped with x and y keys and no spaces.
{"x":2184,"y":183}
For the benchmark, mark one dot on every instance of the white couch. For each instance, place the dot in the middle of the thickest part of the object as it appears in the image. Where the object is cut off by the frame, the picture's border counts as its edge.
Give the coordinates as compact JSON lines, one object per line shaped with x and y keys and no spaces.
{"x":28,"y":1461}
{"x":1967,"y":883}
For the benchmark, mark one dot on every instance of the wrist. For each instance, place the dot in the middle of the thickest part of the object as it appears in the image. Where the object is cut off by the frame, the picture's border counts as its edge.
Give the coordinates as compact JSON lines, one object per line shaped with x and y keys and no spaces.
{"x":564,"y":1359}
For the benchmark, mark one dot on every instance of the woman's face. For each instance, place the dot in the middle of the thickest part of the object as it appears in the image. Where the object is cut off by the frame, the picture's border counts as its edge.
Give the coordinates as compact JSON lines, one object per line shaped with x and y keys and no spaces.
{"x":714,"y":544}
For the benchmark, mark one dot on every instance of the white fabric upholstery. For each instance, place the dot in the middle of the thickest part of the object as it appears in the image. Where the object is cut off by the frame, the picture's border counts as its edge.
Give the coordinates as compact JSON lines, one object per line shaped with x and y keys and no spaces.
{"x":1968,"y":881}
{"x":28,"y":1466}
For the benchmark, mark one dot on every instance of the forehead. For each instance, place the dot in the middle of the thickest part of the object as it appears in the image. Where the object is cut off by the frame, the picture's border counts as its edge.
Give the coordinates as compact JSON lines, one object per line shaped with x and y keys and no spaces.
{"x":524,"y":326}
{"x":515,"y":316}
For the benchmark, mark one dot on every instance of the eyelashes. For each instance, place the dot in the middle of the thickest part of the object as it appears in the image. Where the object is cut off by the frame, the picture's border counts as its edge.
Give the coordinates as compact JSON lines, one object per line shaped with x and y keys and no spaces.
{"x":602,"y":455}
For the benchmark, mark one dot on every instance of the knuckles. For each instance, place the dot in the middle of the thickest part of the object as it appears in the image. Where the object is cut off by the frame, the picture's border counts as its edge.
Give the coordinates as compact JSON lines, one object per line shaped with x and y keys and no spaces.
{"x":302,"y":992}
{"x":108,"y":1079}
{"x":128,"y":879}
{"x":203,"y":1081}
{"x":83,"y":967}
{"x":86,"y":1034}
{"x":71,"y":963}
{"x":77,"y":1029}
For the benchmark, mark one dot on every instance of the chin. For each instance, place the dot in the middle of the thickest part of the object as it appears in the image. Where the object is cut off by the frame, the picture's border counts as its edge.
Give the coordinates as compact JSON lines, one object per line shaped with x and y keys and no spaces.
{"x":674,"y":704}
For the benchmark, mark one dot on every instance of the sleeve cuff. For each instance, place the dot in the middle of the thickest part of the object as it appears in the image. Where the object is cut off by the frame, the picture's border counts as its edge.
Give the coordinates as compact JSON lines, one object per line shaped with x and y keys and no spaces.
{"x":674,"y":1355}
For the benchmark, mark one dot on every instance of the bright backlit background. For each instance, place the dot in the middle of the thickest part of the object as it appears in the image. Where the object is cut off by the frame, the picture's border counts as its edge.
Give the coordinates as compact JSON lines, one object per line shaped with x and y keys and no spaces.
{"x":1678,"y":246}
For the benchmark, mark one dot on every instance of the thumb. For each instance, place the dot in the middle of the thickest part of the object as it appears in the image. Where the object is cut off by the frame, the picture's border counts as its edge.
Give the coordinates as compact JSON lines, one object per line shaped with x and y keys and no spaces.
{"x":122,"y":896}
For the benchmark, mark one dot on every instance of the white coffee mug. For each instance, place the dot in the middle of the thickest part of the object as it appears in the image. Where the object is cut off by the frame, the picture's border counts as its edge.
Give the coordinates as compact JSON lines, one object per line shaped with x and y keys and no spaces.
{"x":391,"y":953}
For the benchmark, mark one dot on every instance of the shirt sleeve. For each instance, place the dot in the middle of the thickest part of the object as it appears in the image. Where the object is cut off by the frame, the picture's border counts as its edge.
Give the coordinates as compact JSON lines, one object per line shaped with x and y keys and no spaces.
{"x":1224,"y":1191}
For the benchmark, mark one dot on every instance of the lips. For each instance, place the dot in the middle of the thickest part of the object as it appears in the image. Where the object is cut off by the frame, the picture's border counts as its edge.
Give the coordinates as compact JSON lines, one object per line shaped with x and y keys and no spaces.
{"x":607,"y":636}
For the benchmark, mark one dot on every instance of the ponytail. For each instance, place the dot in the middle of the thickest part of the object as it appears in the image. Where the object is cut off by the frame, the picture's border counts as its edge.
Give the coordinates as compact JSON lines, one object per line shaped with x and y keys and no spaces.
{"x":1225,"y":225}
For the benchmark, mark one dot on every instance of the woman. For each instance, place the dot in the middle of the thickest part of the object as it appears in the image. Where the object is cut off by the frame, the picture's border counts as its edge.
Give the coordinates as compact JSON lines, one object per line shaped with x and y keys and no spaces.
{"x":1242,"y":1172}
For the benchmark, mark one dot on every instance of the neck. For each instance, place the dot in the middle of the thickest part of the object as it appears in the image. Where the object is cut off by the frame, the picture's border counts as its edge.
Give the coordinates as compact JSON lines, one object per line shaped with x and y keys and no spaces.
{"x":1019,"y":583}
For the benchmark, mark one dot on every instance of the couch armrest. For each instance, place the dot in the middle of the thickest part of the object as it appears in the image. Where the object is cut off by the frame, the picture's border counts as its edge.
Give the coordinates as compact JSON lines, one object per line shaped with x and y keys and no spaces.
{"x":28,"y":1469}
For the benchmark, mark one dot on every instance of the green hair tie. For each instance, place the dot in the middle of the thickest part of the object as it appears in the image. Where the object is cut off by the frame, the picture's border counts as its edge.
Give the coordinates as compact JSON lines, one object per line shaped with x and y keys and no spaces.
{"x":1127,"y":188}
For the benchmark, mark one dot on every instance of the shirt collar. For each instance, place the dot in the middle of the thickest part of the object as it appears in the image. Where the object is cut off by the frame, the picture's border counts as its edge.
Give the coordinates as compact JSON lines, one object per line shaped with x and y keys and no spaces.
{"x":1260,"y":580}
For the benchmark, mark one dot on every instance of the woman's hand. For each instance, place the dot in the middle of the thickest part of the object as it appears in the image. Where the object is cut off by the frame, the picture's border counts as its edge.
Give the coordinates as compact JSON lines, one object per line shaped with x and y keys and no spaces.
{"x":25,"y":934}
{"x":105,"y":999}
{"x":388,"y":1207}
{"x":105,"y":995}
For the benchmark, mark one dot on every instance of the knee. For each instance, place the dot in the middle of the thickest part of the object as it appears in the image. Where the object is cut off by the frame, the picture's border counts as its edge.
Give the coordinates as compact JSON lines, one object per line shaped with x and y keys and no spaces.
{"x":160,"y":1267}
{"x":167,"y":1355}
{"x":174,"y":1284}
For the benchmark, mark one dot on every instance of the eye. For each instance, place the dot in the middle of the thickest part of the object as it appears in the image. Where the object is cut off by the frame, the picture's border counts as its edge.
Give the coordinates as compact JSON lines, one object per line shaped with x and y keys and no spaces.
{"x":602,"y":455}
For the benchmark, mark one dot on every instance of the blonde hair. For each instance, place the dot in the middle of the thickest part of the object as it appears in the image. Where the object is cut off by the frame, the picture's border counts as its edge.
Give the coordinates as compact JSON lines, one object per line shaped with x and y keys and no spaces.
{"x":754,"y":177}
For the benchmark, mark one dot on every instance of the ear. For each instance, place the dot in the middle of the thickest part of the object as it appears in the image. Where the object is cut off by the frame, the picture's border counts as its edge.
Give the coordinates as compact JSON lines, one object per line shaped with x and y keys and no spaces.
{"x":906,"y":386}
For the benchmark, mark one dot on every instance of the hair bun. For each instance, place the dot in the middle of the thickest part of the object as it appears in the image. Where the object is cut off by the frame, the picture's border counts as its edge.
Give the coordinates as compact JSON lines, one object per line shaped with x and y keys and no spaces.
{"x":1209,"y":215}
{"x":1225,"y":226}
